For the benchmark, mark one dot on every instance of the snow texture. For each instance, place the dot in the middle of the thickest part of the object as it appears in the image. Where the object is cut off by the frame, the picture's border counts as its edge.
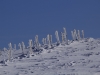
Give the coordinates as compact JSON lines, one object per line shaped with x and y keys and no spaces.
{"x":78,"y":58}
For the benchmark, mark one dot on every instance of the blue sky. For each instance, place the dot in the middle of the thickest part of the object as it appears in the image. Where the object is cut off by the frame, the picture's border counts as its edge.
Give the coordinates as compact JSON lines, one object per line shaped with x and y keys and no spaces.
{"x":21,"y":20}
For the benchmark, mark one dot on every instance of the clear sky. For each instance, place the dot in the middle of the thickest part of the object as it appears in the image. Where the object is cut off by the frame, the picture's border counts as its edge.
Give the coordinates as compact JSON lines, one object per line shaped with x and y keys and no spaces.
{"x":21,"y":20}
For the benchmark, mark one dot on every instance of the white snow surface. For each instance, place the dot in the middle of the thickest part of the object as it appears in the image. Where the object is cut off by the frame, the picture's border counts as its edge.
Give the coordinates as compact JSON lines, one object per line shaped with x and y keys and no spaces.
{"x":78,"y":58}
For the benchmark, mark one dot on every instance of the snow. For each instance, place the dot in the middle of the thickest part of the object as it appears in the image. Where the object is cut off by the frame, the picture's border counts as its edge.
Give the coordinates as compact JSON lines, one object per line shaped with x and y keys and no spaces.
{"x":78,"y":58}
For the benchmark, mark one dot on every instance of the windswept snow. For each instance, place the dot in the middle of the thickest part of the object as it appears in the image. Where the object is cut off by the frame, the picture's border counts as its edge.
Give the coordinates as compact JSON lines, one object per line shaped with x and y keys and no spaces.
{"x":78,"y":58}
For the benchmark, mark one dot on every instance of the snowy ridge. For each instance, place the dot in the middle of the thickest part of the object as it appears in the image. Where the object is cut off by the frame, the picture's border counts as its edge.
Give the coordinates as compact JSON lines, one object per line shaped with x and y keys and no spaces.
{"x":78,"y":58}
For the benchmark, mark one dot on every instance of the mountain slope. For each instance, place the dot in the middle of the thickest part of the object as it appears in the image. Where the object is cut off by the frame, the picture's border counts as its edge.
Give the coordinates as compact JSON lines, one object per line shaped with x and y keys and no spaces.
{"x":78,"y":58}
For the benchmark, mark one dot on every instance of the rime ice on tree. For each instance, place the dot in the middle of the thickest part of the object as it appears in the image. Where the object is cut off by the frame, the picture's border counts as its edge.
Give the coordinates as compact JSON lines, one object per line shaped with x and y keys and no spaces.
{"x":65,"y":36}
{"x":10,"y":51}
{"x":57,"y":36}
{"x":19,"y":46}
{"x":36,"y":42}
{"x":4,"y":49}
{"x":62,"y":35}
{"x":76,"y":35}
{"x":15,"y":46}
{"x":83,"y":34}
{"x":30,"y":46}
{"x":79,"y":35}
{"x":73,"y":35}
{"x":23,"y":47}
{"x":43,"y":41}
{"x":49,"y":40}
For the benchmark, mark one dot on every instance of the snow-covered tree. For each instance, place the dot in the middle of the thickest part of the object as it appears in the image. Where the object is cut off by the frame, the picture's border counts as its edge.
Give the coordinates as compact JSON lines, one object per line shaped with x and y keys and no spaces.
{"x":65,"y":36}
{"x":30,"y":46}
{"x":57,"y":36}
{"x":5,"y":54}
{"x":43,"y":41}
{"x":51,"y":39}
{"x":19,"y":46}
{"x":36,"y":42}
{"x":23,"y":47}
{"x":83,"y":34}
{"x":4,"y":49}
{"x":76,"y":35}
{"x":48,"y":40}
{"x":79,"y":35}
{"x":10,"y":51}
{"x":15,"y":46}
{"x":73,"y":35}
{"x":62,"y":35}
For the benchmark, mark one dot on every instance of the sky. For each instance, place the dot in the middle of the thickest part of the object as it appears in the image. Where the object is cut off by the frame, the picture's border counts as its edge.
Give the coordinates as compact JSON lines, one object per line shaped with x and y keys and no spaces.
{"x":21,"y":20}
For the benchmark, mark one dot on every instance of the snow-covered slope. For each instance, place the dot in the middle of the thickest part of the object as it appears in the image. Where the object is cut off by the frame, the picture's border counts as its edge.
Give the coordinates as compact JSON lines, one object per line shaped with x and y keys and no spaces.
{"x":78,"y":58}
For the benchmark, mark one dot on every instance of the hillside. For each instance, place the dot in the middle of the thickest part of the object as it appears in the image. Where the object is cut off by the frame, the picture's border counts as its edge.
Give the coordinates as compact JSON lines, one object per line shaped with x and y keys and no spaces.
{"x":78,"y":58}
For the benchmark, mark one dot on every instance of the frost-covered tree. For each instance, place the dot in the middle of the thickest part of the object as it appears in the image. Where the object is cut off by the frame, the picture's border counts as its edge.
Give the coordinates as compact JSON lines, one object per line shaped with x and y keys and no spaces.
{"x":30,"y":46}
{"x":51,"y":39}
{"x":19,"y":45}
{"x":83,"y":34}
{"x":62,"y":35}
{"x":15,"y":46}
{"x":4,"y":49}
{"x":65,"y":36}
{"x":23,"y":47}
{"x":10,"y":51}
{"x":57,"y":36}
{"x":43,"y":41}
{"x":73,"y":35}
{"x":76,"y":35}
{"x":79,"y":35}
{"x":36,"y":42}
{"x":48,"y":40}
{"x":5,"y":54}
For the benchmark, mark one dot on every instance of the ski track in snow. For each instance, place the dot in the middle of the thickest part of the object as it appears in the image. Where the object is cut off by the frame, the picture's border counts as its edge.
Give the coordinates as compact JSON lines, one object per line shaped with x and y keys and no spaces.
{"x":78,"y":58}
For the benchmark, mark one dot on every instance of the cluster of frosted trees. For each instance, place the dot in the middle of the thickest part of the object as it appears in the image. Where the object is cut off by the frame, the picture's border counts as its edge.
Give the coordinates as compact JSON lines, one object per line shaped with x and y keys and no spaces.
{"x":76,"y":36}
